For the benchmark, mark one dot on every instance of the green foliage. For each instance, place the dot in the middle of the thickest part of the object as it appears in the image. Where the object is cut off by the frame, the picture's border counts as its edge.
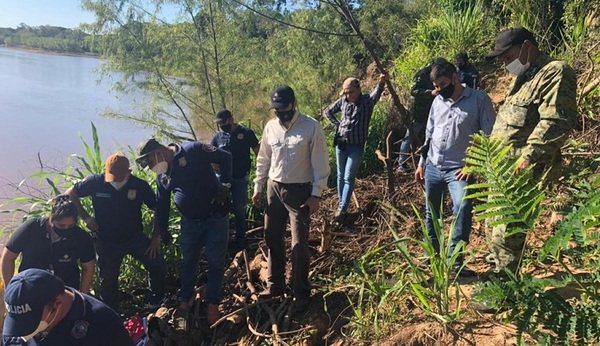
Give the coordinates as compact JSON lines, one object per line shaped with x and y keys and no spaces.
{"x":507,"y":198}
{"x":376,"y":285}
{"x":47,"y":37}
{"x":445,"y":30}
{"x":433,"y":281}
{"x":537,"y":308}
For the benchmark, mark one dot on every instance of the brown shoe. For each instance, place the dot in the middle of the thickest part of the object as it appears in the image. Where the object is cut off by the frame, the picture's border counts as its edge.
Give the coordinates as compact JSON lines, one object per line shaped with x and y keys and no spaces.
{"x":213,"y":314}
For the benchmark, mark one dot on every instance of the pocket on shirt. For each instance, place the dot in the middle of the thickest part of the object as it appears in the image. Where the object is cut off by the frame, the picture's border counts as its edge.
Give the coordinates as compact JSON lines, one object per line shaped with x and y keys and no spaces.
{"x":275,"y":145}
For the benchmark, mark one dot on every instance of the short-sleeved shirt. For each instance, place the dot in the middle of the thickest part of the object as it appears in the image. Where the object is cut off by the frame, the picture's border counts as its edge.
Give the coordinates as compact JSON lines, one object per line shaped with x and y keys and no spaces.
{"x":468,"y":75}
{"x":238,"y":143}
{"x":104,"y":326}
{"x":192,"y":181}
{"x":32,"y":240}
{"x":117,"y":212}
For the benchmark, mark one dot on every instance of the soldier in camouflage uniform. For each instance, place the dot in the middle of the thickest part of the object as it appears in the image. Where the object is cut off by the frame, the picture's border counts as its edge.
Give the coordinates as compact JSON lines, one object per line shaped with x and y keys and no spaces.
{"x":538,"y":113}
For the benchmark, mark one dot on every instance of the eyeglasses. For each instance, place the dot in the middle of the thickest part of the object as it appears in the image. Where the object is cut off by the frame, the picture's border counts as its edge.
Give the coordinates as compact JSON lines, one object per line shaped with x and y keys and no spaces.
{"x":144,"y":162}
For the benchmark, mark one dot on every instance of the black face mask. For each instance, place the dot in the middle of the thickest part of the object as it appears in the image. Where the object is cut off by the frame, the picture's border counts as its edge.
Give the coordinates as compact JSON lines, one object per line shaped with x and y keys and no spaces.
{"x":462,"y":67}
{"x":285,"y":116}
{"x":63,"y":232}
{"x":225,"y":128}
{"x":447,"y":91}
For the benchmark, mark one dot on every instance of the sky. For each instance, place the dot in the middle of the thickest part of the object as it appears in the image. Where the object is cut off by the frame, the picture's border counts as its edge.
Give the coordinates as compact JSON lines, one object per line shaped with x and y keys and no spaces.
{"x":64,"y":13}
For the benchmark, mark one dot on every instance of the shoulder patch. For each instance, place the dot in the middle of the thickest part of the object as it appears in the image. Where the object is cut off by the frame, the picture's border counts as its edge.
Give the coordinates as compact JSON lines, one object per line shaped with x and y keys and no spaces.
{"x":240,"y":136}
{"x":209,"y":148}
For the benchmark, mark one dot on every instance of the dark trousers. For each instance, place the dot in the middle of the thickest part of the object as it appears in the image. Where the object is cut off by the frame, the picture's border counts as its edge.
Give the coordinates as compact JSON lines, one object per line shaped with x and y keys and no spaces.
{"x":283,"y":201}
{"x":110,"y":257}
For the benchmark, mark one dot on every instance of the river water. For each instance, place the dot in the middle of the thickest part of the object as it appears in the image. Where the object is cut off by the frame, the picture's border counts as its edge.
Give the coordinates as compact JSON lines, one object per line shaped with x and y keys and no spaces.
{"x":46,"y":101}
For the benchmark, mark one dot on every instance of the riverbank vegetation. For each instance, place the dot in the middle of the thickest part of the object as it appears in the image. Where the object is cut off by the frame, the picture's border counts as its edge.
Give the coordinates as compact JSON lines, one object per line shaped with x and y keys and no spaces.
{"x":374,"y":284}
{"x":47,"y":38}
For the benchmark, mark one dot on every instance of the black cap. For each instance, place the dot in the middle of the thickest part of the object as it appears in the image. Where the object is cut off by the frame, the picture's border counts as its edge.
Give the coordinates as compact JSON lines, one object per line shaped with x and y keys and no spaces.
{"x":223,"y":115}
{"x":508,"y":38}
{"x":282,"y":96}
{"x":146,"y":148}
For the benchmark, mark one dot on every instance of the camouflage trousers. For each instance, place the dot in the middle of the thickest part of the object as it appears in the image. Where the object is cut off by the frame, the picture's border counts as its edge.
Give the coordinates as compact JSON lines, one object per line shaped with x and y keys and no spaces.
{"x":506,"y":251}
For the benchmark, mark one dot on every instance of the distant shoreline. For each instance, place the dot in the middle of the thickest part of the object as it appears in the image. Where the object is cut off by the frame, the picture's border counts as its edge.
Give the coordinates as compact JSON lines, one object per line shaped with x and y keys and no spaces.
{"x":48,"y":52}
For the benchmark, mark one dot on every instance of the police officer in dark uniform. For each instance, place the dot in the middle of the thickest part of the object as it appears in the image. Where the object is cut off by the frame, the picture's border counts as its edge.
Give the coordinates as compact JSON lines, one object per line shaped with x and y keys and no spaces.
{"x":238,"y":140}
{"x":117,"y":199}
{"x":423,"y":93}
{"x":186,"y":171}
{"x":55,"y":244}
{"x":467,"y":72}
{"x":42,"y":311}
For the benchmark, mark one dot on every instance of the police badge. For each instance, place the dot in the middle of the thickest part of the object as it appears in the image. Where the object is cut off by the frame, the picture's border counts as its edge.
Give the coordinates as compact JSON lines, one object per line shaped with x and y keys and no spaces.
{"x":240,"y":136}
{"x":182,"y":162}
{"x":80,"y":329}
{"x":131,"y":194}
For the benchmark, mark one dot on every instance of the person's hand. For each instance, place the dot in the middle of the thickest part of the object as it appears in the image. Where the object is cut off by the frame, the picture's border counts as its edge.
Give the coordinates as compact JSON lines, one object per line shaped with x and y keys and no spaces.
{"x":383,"y":77}
{"x":435,"y":92}
{"x":420,"y":174}
{"x":312,"y":203}
{"x":460,"y":175}
{"x":257,"y":199}
{"x":91,"y":223}
{"x":154,"y":248}
{"x":522,"y":166}
{"x":222,"y":195}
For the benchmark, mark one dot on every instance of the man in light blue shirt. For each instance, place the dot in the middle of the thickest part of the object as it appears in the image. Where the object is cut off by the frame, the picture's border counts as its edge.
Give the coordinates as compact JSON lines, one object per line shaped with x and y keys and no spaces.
{"x":457,"y":113}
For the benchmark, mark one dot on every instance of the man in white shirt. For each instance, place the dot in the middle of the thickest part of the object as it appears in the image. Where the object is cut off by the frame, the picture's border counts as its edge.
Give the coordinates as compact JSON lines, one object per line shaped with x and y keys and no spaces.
{"x":293,"y":160}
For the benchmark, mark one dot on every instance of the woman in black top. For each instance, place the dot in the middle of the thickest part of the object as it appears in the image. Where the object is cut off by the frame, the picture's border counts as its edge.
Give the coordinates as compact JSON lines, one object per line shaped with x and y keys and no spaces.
{"x":55,"y":244}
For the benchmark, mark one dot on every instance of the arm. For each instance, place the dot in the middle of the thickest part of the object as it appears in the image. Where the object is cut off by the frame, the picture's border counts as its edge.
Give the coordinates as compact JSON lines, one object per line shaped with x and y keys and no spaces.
{"x":376,"y":93}
{"x":8,"y":265}
{"x":557,"y":110}
{"x":90,"y":222}
{"x":163,"y":207}
{"x":263,"y":165}
{"x":330,"y":112}
{"x":428,"y":136}
{"x":487,"y":115}
{"x":87,"y":275}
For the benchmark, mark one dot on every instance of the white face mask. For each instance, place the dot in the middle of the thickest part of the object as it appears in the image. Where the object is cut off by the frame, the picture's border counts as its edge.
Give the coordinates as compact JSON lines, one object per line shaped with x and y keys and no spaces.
{"x":41,"y":327}
{"x":516,"y":67}
{"x":119,"y":184}
{"x":160,"y":168}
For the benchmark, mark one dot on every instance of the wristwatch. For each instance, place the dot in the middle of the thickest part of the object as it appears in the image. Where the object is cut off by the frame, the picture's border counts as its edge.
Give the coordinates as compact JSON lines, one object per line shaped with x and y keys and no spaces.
{"x":227,"y":185}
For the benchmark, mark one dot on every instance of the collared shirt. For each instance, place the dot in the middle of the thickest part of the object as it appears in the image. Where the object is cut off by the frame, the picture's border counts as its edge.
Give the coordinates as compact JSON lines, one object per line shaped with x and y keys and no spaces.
{"x":32,"y":241}
{"x":540,"y":110}
{"x":238,"y":143}
{"x":118,"y":212}
{"x":297,"y":154}
{"x":354,"y":124}
{"x":451,"y":125}
{"x":192,"y":180}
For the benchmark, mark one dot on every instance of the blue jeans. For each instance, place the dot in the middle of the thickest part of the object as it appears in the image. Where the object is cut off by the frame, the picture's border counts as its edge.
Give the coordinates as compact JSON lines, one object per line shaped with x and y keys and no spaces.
{"x":239,"y":196}
{"x":405,"y":149}
{"x":348,"y":163}
{"x":213,"y":234}
{"x":436,"y":181}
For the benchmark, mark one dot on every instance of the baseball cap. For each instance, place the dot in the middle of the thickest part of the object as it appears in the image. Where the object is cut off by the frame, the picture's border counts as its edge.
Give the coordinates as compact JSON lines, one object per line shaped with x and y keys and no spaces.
{"x":145,"y":149}
{"x":508,"y":38}
{"x":223,"y":115}
{"x":25,"y":297}
{"x":116,"y":168}
{"x":282,"y":96}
